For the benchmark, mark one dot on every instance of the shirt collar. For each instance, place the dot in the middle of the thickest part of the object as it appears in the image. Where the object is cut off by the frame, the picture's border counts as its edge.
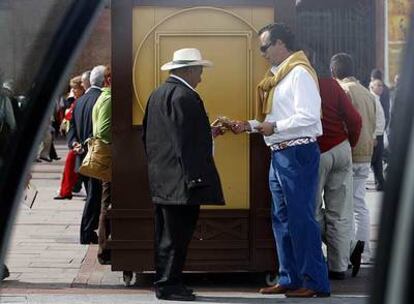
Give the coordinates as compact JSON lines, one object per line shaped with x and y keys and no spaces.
{"x":349,"y":79}
{"x":93,"y":87}
{"x":183,"y":81}
{"x":375,"y":95}
{"x":274,"y":68}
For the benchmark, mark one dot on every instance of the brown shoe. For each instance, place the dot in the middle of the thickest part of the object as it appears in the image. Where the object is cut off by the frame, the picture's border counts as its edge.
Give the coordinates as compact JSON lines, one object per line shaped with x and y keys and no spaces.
{"x":306,"y":293}
{"x":276,"y":289}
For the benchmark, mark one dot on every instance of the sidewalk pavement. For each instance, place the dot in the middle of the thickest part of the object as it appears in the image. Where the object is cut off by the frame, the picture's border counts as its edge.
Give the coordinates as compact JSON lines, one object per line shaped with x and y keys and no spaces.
{"x":48,"y":265}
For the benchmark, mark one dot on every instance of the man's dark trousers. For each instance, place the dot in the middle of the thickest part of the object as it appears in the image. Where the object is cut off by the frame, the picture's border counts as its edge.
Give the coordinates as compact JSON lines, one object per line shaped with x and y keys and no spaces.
{"x":376,"y":163}
{"x":91,"y":211}
{"x":104,"y":230}
{"x":174,"y":228}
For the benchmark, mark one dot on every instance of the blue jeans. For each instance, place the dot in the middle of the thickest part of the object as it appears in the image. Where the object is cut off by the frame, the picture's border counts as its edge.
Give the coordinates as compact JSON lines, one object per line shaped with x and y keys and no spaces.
{"x":293,"y":181}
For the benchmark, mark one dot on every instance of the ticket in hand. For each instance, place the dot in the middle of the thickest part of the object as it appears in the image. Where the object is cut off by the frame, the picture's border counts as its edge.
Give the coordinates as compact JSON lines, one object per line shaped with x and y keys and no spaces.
{"x":223,"y":122}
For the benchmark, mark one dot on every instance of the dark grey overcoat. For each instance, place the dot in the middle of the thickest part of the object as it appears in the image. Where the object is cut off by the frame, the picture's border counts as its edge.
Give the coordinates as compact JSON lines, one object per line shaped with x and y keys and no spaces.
{"x":178,"y":144}
{"x":81,"y":123}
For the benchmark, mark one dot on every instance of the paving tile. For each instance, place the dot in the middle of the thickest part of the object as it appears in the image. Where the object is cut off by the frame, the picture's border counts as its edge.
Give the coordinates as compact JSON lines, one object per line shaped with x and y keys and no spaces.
{"x":54,"y":265}
{"x":45,"y":256}
{"x":13,"y":299}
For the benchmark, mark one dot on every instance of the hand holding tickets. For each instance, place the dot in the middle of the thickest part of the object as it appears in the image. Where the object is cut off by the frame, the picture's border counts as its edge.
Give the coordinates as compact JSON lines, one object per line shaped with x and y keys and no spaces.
{"x":221,"y":125}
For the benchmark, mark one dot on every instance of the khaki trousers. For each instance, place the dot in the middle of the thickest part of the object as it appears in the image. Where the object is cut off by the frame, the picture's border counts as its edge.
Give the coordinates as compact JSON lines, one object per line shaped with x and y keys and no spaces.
{"x":362,"y":221}
{"x":334,"y":204}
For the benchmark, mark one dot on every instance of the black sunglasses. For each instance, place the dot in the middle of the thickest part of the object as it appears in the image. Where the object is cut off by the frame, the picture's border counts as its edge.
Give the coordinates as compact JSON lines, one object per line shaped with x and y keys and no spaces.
{"x":264,"y":48}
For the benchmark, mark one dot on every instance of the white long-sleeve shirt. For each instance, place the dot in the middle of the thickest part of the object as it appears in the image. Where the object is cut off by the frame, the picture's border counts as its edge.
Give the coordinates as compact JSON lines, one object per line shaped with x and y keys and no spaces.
{"x":296,"y":108}
{"x":379,"y":116}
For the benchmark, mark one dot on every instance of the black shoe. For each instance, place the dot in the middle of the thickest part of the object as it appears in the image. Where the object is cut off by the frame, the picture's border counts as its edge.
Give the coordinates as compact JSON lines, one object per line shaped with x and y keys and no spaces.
{"x":336,"y":275}
{"x":46,"y":159}
{"x":93,"y":239}
{"x":186,"y":290}
{"x":355,"y":258}
{"x":174,"y":293}
{"x":58,"y":197}
{"x":176,"y":296}
{"x":5,"y":273}
{"x":104,"y":258}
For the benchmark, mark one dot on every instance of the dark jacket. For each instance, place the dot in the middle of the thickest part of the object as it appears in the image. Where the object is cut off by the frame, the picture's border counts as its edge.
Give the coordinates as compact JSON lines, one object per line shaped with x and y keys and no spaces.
{"x":81,"y":123}
{"x":178,"y":144}
{"x":385,"y":102}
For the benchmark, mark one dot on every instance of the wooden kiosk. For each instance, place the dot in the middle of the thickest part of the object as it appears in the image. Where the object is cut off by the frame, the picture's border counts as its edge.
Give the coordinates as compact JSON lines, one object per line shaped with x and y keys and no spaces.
{"x":238,"y":236}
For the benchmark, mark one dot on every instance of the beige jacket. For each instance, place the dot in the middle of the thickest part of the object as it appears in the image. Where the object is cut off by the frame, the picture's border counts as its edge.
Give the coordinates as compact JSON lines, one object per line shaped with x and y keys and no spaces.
{"x":364,"y":103}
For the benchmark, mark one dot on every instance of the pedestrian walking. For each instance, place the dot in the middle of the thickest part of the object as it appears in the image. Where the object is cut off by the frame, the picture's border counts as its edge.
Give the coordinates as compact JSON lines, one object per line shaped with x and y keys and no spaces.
{"x":342,"y":70}
{"x":341,"y":125}
{"x":69,"y":176}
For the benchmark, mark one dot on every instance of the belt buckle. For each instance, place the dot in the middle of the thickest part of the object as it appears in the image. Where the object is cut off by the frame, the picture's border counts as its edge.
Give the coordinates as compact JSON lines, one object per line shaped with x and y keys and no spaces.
{"x":283,"y":145}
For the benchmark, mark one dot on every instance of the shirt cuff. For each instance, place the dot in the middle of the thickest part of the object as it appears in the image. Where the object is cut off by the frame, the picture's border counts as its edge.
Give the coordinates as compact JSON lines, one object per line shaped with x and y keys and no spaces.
{"x":283,"y":124}
{"x":253,"y":124}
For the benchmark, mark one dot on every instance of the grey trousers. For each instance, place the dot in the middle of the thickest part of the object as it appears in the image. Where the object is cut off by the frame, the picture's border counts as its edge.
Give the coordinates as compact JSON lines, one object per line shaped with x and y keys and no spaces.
{"x":46,"y":144}
{"x":334,"y":204}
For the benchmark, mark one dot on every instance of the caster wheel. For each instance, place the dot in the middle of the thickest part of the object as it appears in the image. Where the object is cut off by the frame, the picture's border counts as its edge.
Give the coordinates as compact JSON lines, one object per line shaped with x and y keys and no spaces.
{"x":271,"y":279}
{"x":128,"y":278}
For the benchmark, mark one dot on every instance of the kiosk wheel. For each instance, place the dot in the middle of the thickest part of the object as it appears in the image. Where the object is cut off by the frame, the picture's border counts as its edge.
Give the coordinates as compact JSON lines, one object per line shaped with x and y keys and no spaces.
{"x":128,"y":277}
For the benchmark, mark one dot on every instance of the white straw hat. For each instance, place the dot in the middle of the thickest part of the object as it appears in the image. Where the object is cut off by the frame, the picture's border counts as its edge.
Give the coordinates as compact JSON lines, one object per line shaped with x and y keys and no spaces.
{"x":186,"y":57}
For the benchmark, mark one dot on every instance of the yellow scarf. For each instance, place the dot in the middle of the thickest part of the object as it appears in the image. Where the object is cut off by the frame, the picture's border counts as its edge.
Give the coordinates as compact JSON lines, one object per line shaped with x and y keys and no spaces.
{"x":266,"y":88}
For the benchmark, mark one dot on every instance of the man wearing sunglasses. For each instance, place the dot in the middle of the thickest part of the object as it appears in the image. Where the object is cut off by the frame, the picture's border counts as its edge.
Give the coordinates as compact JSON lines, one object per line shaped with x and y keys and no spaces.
{"x":288,"y":114}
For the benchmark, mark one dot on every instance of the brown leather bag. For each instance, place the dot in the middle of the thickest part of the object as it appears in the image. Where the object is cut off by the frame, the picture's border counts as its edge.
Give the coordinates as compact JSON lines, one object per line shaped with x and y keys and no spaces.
{"x":98,"y":160}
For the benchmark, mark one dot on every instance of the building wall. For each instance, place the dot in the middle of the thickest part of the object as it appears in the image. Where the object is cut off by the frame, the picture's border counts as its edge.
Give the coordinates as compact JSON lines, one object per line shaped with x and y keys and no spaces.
{"x":325,"y":28}
{"x":397,"y":14}
{"x":380,"y":34}
{"x":17,"y":31}
{"x":97,"y":47}
{"x":24,"y":40}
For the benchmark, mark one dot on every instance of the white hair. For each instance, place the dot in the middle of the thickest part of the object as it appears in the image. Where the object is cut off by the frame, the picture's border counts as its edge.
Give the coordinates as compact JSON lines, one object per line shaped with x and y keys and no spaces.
{"x":97,"y":77}
{"x":9,"y":85}
{"x":86,"y":75}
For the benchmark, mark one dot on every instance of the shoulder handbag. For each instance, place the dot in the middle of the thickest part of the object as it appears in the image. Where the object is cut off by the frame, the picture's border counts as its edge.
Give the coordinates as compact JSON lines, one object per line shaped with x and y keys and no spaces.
{"x":98,"y":160}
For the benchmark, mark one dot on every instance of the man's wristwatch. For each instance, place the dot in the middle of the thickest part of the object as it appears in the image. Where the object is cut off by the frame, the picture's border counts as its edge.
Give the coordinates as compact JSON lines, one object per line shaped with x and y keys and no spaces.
{"x":274,"y":127}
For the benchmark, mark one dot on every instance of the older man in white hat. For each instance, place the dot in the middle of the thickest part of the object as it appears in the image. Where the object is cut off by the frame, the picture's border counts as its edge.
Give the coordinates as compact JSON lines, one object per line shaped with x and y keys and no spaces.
{"x":182,"y":174}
